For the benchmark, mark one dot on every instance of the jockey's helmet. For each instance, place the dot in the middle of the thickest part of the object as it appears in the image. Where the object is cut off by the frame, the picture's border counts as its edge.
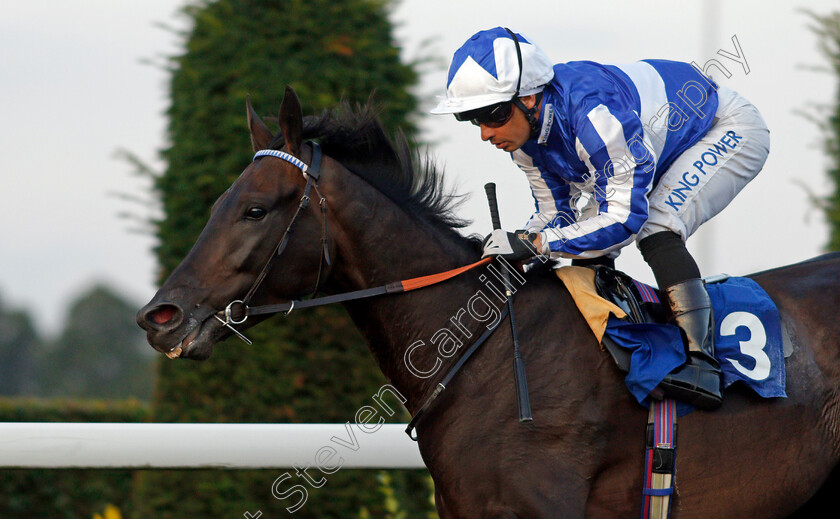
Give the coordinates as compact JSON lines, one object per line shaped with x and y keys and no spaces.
{"x":493,"y":68}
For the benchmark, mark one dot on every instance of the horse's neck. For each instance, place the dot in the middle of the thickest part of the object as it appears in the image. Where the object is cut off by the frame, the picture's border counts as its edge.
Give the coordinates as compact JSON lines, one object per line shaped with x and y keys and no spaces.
{"x":378,"y":243}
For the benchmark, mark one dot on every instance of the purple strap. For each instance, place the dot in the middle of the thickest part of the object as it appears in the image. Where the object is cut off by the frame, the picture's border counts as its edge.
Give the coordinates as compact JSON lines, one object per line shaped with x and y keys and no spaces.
{"x":648,"y":293}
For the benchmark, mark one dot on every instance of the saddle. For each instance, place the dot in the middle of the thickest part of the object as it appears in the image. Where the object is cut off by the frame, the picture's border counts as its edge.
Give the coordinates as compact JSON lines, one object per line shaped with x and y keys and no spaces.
{"x":742,"y":311}
{"x":627,"y":293}
{"x":748,"y":315}
{"x":639,"y":301}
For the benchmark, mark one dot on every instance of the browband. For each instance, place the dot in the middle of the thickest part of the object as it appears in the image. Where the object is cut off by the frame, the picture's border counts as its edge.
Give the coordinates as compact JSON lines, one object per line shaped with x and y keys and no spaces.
{"x":313,"y":170}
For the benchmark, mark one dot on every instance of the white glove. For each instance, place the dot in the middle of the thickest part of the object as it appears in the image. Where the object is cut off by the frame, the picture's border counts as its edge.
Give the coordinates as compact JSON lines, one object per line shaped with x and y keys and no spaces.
{"x":513,"y":246}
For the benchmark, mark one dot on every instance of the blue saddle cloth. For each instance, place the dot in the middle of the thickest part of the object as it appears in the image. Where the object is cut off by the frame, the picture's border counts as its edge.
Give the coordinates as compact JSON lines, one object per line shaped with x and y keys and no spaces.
{"x":748,"y":342}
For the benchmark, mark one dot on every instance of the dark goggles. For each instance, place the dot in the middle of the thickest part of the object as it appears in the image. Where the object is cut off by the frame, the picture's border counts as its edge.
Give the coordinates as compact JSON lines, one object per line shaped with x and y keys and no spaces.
{"x":493,"y":116}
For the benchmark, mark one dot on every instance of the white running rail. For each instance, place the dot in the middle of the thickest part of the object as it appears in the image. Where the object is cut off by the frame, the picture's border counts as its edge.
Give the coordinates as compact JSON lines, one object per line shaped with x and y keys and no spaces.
{"x":228,"y":446}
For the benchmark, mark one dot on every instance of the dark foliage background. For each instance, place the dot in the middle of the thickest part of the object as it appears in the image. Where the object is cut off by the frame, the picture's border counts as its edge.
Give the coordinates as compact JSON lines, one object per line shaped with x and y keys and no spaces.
{"x":311,"y":366}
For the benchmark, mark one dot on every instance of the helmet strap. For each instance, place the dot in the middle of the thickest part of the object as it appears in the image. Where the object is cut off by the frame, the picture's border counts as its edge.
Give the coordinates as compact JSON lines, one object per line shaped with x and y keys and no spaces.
{"x":530,"y":113}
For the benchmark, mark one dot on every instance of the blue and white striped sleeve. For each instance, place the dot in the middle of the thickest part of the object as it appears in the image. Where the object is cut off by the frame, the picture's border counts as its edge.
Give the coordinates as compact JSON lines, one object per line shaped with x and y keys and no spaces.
{"x":618,"y":182}
{"x":552,"y":199}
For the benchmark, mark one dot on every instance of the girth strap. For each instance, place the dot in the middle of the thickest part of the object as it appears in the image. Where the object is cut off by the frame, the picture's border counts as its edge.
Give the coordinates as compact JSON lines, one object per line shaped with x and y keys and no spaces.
{"x":660,"y":459}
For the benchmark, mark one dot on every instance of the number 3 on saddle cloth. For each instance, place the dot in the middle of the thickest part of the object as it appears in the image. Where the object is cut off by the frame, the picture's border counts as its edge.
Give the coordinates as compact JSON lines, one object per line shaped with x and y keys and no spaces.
{"x":628,"y":319}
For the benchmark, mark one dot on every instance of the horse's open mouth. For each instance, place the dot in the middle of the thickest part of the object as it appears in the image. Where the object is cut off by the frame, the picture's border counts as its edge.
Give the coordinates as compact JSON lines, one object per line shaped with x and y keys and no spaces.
{"x":198,"y":343}
{"x":176,"y":351}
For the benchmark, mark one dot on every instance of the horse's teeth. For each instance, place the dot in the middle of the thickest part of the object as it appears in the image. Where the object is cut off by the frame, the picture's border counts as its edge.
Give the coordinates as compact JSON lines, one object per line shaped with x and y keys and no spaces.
{"x":174,"y":353}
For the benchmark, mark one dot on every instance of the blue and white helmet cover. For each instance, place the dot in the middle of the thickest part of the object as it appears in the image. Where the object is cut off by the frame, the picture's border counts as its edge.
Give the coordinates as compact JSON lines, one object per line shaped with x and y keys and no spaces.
{"x":484,"y":71}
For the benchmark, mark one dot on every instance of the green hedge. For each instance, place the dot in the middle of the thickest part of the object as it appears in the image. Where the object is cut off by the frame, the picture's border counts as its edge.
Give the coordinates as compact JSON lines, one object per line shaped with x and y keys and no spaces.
{"x":66,"y":493}
{"x":311,"y":366}
{"x":19,"y":409}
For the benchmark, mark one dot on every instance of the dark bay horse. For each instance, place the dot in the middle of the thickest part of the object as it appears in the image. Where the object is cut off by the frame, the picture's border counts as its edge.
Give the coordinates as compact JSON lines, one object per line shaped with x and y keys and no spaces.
{"x":582,"y":455}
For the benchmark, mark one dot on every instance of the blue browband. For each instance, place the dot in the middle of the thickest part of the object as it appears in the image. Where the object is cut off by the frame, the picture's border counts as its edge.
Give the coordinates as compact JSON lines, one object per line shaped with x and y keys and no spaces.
{"x":282,"y":155}
{"x":313,"y":171}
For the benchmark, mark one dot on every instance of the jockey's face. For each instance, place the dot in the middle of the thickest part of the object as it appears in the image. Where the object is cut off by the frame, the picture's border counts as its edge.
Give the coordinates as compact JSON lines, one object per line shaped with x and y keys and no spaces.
{"x":513,"y":134}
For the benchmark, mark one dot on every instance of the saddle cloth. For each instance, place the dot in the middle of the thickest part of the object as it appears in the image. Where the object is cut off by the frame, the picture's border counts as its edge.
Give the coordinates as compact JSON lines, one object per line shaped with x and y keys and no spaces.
{"x":748,"y":335}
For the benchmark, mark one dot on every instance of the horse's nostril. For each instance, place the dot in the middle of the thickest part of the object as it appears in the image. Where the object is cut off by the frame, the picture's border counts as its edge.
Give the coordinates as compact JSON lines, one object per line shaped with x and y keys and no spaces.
{"x":163,"y":314}
{"x":160,"y":318}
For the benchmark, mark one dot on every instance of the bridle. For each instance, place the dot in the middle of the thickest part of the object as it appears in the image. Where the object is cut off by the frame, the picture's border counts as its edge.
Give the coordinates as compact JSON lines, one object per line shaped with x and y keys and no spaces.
{"x":238,"y":310}
{"x":312,"y":173}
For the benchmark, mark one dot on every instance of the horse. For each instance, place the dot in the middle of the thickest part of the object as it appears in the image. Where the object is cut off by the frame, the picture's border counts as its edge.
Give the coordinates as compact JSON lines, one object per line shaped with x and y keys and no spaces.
{"x":390,"y":218}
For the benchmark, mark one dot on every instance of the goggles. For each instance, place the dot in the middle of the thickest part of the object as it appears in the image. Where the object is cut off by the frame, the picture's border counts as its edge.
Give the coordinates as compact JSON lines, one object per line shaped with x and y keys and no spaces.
{"x":493,"y":116}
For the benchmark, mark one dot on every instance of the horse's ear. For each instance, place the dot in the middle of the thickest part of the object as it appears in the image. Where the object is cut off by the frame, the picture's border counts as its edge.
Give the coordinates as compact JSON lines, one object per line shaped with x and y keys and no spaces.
{"x":260,"y":134}
{"x":291,"y":121}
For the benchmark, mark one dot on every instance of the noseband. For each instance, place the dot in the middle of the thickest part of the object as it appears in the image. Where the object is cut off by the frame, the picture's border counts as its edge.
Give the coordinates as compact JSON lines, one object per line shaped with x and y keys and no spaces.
{"x":312,"y":174}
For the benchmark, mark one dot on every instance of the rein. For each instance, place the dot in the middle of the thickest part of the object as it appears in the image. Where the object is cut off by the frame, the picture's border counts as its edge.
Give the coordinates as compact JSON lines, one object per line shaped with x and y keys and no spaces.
{"x":395,"y":287}
{"x":312,"y":174}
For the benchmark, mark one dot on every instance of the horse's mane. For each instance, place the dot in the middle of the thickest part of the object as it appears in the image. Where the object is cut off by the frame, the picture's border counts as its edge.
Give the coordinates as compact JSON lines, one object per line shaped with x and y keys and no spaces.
{"x":355,"y":137}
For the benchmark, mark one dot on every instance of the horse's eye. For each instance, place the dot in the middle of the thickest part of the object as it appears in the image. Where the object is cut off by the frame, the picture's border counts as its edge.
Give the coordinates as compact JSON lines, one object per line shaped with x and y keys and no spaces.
{"x":255,"y":213}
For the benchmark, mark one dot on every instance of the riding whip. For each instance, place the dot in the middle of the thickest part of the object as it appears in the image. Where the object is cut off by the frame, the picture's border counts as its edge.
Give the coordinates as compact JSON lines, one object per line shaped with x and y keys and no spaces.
{"x":518,"y":365}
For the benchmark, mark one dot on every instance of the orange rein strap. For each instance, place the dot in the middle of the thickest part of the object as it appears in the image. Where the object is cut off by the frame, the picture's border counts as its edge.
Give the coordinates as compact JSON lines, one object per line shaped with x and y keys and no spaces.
{"x":424,"y":281}
{"x":395,"y":287}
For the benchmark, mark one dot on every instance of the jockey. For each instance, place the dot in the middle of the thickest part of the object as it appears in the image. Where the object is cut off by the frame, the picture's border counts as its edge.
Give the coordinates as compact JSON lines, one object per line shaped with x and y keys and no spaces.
{"x":645,"y":152}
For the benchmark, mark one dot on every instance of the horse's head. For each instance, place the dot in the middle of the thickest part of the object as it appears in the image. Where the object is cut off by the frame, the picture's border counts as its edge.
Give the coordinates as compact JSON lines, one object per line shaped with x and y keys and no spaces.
{"x":236,"y":256}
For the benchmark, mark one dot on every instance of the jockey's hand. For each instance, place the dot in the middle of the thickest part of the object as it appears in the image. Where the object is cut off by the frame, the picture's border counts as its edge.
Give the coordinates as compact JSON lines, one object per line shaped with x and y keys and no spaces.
{"x":513,"y":246}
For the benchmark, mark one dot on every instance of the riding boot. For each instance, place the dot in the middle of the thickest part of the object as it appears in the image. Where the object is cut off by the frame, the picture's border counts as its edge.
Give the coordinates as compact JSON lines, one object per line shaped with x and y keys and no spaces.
{"x":696,"y":382}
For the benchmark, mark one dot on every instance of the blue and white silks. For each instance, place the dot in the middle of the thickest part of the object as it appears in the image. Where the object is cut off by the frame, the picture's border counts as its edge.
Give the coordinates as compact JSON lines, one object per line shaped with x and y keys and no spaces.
{"x":607,"y":134}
